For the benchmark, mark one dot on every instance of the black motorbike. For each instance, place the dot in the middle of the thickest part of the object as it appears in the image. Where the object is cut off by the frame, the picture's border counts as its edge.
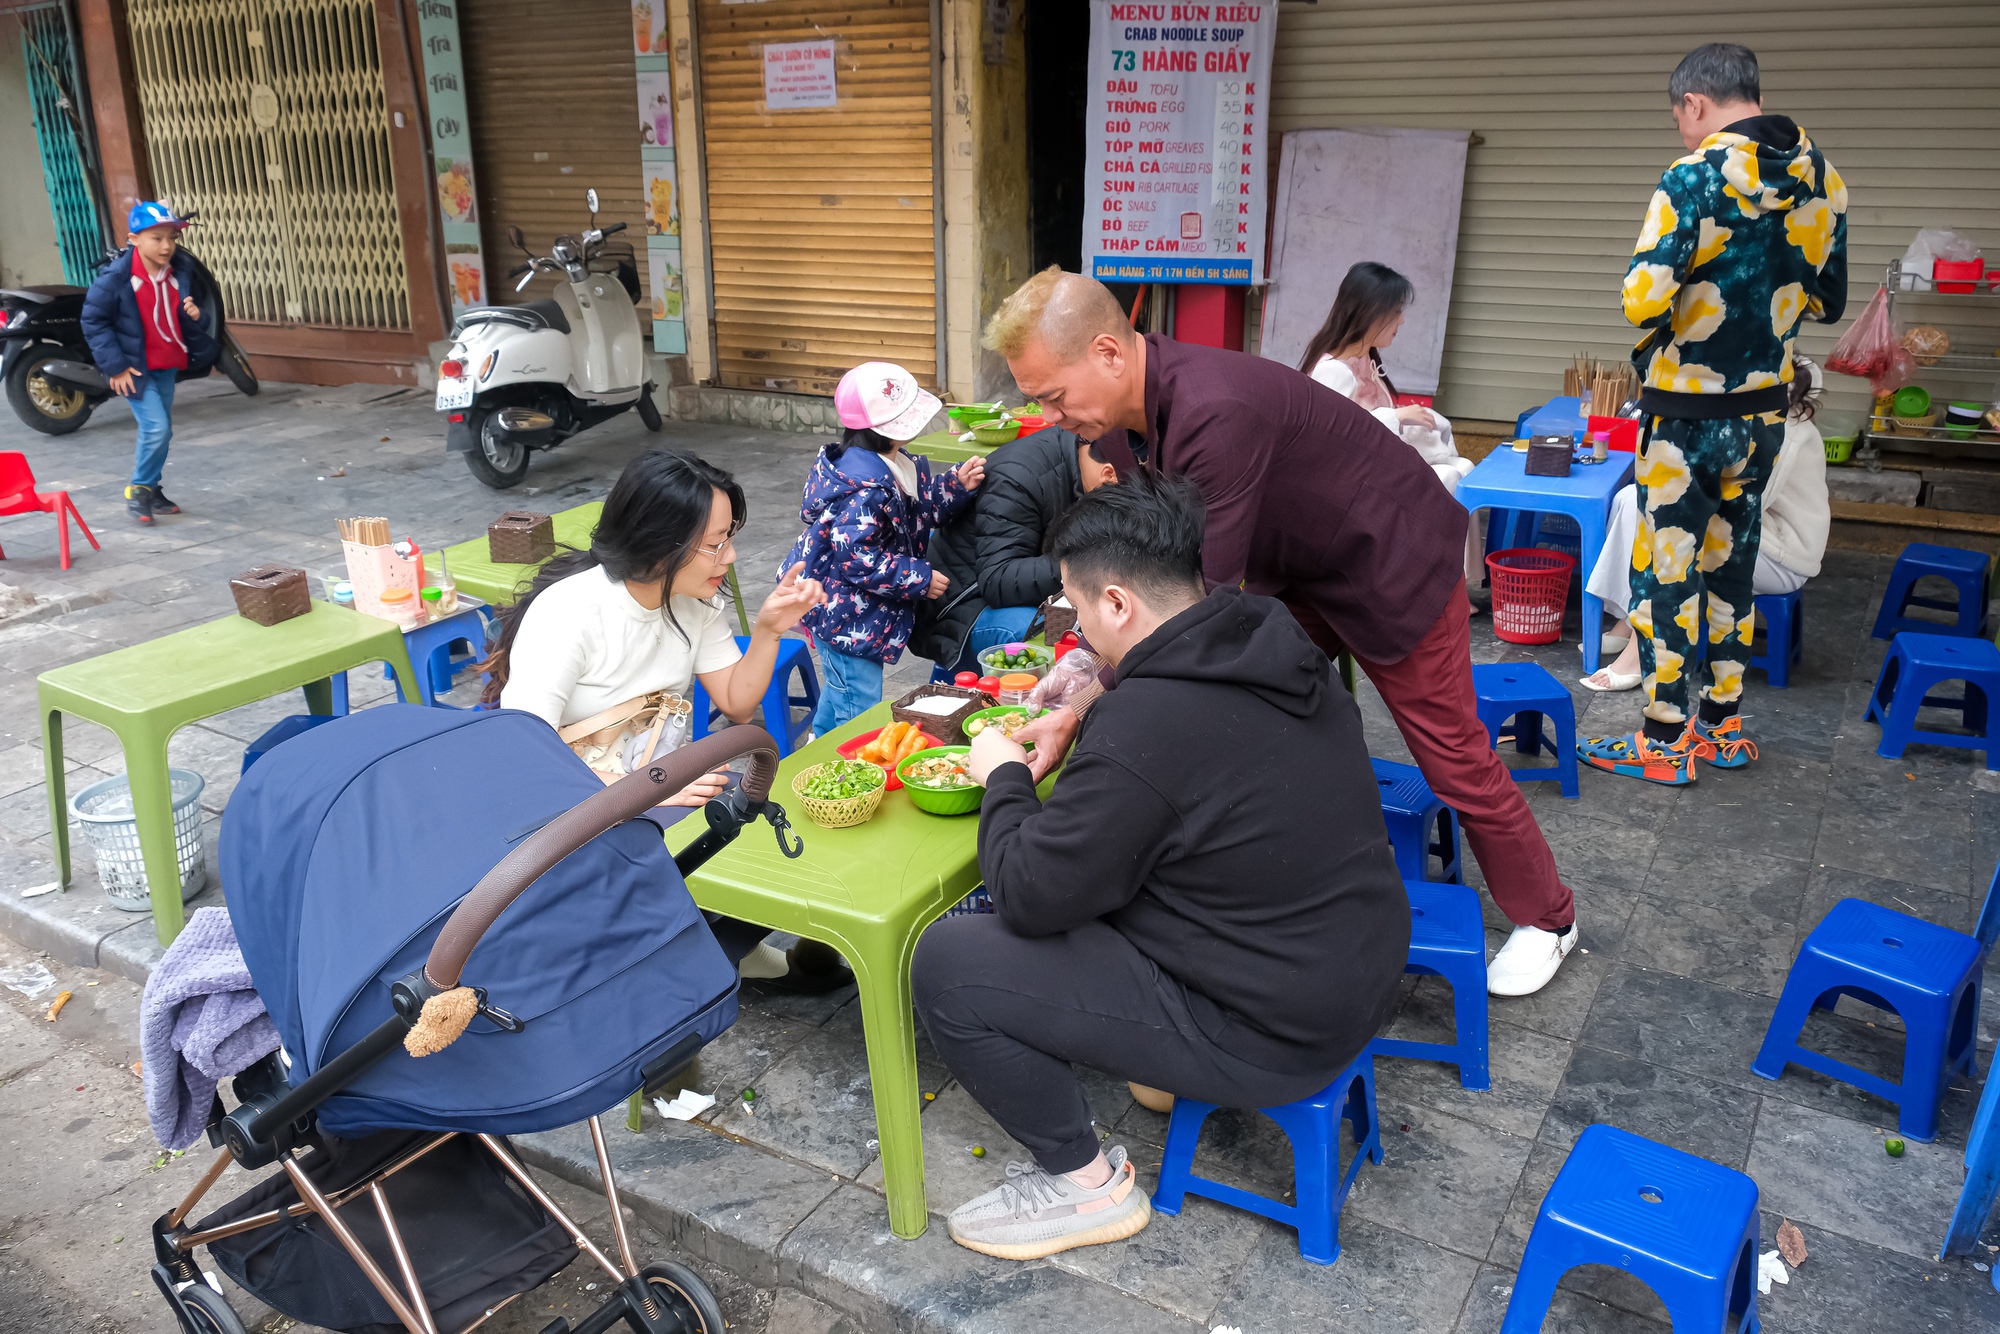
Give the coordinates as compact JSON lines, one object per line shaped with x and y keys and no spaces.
{"x":52,"y":381}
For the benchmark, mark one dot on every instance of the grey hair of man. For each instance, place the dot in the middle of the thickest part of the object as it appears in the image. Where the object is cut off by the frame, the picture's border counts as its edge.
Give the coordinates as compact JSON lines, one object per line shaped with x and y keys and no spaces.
{"x":1723,"y":72}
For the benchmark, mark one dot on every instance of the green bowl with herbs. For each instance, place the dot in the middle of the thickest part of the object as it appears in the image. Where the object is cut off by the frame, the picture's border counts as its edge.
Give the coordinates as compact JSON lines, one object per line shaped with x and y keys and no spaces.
{"x":1004,"y":658}
{"x":966,"y":413}
{"x":937,"y":782}
{"x":841,"y":793}
{"x":994,"y":431}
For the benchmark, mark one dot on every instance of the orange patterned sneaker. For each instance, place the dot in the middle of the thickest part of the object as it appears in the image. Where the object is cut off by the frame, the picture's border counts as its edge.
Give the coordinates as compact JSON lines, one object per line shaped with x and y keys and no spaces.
{"x":1636,"y":755}
{"x":1723,"y":744}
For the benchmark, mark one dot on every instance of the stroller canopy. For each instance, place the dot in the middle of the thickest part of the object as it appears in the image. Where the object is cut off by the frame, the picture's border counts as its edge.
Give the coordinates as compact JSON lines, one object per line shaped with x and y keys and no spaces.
{"x":344,"y":850}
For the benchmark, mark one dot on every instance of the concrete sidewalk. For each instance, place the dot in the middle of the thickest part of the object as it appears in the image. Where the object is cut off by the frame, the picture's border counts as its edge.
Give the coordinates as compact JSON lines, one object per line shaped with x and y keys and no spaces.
{"x":1692,"y":904}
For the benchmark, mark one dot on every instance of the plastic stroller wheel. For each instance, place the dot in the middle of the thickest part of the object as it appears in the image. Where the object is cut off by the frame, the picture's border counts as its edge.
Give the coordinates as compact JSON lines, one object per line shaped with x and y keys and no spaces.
{"x":213,"y":1315}
{"x":685,"y":1295}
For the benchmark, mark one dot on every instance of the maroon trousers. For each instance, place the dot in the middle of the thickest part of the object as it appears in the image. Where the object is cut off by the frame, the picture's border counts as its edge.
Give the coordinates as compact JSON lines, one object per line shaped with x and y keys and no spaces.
{"x":1430,"y":695}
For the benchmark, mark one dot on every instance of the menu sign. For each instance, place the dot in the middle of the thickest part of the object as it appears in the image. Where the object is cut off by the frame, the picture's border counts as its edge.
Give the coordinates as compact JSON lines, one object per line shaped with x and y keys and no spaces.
{"x":799,"y":75}
{"x":1174,"y":176}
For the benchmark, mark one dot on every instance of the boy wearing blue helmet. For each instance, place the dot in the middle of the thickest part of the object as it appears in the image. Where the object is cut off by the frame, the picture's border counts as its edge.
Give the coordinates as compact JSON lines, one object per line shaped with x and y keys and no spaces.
{"x":145,"y":331}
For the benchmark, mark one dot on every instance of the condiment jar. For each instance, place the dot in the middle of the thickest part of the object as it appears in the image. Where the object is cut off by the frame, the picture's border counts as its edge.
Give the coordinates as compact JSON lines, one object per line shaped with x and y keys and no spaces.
{"x":1015,"y":687}
{"x":433,"y":602}
{"x":966,"y":680}
{"x":1600,"y":442}
{"x":342,"y":593}
{"x":399,"y":605}
{"x":990,"y":684}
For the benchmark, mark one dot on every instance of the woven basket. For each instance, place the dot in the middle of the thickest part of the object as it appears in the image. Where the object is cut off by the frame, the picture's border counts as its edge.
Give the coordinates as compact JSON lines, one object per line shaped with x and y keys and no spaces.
{"x":837,"y":814}
{"x":1917,"y":425}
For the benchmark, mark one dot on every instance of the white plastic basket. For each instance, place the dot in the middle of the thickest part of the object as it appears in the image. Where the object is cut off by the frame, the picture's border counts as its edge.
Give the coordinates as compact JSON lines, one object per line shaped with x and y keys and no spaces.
{"x":104,"y":809}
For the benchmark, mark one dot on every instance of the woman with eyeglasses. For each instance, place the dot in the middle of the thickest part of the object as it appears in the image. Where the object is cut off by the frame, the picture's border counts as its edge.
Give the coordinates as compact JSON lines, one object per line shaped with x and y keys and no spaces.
{"x":638,"y":614}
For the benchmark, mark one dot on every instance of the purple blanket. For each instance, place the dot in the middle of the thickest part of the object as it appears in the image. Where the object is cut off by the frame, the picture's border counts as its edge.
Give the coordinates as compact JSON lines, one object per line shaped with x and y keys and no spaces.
{"x":201,"y":1021}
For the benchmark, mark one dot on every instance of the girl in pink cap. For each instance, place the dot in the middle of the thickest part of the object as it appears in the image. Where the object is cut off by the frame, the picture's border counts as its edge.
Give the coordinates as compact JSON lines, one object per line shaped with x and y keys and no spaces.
{"x":869,"y":510}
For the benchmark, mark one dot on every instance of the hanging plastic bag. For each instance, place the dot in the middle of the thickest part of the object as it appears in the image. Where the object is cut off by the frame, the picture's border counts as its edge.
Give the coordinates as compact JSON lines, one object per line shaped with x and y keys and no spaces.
{"x":1933,"y":244}
{"x":1869,"y":347}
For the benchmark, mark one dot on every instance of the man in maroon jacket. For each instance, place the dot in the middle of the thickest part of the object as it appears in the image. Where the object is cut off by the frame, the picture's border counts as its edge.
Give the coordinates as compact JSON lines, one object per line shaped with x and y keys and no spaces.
{"x":1311,"y":501}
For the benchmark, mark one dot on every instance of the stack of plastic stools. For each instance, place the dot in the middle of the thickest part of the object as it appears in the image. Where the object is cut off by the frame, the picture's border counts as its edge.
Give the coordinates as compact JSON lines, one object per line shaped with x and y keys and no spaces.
{"x":1917,"y":662}
{"x":1967,"y":572}
{"x":1784,"y":635}
{"x":1318,"y":1183}
{"x":282,"y":731}
{"x":1448,"y":940}
{"x":1420,"y":826}
{"x":1526,"y":693}
{"x":785,"y":727}
{"x":1928,"y":974}
{"x":1684,"y":1226}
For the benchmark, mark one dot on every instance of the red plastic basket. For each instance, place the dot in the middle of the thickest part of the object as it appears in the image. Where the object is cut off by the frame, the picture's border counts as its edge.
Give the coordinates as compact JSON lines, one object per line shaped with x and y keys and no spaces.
{"x":1530,"y":589}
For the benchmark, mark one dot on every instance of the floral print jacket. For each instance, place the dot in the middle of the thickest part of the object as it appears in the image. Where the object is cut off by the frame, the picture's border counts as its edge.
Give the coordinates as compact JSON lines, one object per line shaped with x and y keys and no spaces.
{"x":865,"y":540}
{"x":1745,"y":237}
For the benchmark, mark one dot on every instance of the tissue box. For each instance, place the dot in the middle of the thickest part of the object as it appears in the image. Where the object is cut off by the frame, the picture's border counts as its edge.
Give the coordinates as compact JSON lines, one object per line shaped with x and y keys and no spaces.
{"x":1549,"y":456}
{"x":1057,"y":620}
{"x":520,"y":537}
{"x":271,"y":593}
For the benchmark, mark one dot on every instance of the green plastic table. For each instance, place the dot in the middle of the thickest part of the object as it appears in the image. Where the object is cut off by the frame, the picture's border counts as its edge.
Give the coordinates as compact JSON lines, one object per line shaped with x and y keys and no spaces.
{"x":146,"y":693}
{"x":475,"y":572}
{"x":943,"y":448}
{"x":868,"y":892}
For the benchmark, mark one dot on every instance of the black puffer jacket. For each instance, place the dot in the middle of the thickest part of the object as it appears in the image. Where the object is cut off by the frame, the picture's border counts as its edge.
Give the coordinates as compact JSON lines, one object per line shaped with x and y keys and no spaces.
{"x":992,"y":552}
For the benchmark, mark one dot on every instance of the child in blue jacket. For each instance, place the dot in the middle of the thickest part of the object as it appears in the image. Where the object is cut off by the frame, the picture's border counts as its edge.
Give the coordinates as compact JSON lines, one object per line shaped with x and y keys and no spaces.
{"x":145,"y":332}
{"x":869,"y":510}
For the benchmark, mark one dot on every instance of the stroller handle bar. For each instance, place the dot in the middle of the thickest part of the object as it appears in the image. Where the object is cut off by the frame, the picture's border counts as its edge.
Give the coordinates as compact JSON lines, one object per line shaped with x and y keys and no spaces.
{"x":631,"y":795}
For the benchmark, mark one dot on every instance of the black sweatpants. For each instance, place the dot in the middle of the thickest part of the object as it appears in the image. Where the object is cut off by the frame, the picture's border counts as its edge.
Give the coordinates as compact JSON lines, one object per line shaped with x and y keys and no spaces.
{"x":1010,"y":1013}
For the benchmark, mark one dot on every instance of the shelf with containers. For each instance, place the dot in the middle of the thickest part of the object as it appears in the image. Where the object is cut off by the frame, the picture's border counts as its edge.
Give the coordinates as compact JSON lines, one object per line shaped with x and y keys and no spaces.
{"x":1969,"y":373}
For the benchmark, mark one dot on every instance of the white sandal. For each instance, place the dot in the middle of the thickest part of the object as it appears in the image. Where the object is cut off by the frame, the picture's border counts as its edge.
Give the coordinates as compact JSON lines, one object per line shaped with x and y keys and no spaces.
{"x":1617,"y":681}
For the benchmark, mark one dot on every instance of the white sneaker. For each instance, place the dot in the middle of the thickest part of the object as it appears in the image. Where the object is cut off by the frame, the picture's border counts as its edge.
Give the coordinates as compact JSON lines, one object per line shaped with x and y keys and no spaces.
{"x":1528,"y":960}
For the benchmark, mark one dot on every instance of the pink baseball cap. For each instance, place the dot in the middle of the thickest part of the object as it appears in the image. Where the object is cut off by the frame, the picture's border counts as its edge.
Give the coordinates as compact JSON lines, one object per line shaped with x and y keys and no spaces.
{"x":883,"y":397}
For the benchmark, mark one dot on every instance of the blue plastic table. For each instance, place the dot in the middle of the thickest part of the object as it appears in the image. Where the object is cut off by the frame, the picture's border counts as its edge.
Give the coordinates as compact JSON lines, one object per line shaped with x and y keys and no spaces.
{"x":1501,"y":482}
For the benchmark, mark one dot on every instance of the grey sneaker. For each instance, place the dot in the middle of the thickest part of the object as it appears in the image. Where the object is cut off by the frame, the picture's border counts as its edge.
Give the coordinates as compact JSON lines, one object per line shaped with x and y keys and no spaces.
{"x":1034,"y":1213}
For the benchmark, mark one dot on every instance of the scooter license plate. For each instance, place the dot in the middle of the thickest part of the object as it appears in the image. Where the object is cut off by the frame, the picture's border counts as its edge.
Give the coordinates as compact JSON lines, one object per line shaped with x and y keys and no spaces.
{"x":454,"y":394}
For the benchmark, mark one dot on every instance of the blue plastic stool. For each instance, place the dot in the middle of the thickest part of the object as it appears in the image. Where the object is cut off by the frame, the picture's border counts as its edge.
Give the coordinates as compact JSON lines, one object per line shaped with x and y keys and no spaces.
{"x":1918,"y":662}
{"x":1784,"y":635}
{"x":1982,"y":1176}
{"x":1448,"y":940}
{"x":784,"y":726}
{"x":1527,"y":693}
{"x":1684,"y":1226}
{"x":280,"y":732}
{"x":431,"y":648}
{"x":1967,"y":572}
{"x":1313,"y":1126}
{"x":1412,"y":813}
{"x":1928,"y":974}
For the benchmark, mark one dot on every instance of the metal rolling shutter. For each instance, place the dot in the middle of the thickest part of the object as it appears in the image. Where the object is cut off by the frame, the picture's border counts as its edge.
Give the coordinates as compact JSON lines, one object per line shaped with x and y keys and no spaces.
{"x":821,"y":221}
{"x":554,"y":103}
{"x":1571,"y":102}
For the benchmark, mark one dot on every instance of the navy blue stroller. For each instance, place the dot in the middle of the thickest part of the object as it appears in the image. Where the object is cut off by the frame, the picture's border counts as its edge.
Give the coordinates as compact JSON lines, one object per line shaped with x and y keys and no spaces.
{"x":461,"y":934}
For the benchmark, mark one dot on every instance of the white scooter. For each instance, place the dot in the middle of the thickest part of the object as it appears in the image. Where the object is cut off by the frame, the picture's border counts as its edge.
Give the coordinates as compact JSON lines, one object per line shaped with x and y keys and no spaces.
{"x":522,"y":378}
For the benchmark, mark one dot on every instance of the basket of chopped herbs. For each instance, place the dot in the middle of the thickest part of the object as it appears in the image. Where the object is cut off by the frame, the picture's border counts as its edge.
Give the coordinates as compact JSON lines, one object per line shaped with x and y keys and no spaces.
{"x":840,"y":793}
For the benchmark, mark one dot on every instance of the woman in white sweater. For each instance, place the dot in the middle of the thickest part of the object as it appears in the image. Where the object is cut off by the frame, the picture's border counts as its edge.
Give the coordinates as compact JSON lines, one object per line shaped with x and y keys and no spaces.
{"x":638,"y":612}
{"x":1795,"y":519}
{"x":1345,"y":356}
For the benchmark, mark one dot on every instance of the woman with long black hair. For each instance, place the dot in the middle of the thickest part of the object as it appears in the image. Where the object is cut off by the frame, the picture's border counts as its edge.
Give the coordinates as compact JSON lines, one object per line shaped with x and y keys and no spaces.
{"x":638,"y":614}
{"x":1346,"y":356}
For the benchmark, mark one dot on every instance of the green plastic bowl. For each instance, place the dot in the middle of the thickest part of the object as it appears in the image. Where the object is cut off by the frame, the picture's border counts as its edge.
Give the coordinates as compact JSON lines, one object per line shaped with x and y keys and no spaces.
{"x":972,"y":412}
{"x":940,"y":801}
{"x":994,"y":713}
{"x":1044,"y":659}
{"x":1912,"y":400}
{"x":997,"y":431}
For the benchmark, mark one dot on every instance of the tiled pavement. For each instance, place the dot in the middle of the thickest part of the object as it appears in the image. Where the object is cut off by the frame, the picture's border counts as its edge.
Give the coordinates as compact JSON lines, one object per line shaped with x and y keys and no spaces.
{"x":1692,"y":904}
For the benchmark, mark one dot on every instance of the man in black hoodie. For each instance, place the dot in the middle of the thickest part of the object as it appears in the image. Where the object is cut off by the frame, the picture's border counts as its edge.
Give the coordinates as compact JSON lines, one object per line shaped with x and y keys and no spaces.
{"x":1206,"y":904}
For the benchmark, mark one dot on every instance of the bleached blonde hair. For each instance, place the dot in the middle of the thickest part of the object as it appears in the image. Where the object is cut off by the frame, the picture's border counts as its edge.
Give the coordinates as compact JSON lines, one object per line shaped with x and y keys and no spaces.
{"x":1066,"y":311}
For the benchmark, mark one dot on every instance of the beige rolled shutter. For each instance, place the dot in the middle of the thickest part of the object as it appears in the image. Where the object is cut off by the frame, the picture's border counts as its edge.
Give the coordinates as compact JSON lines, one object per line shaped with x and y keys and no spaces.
{"x":554,"y":102}
{"x":821,"y":220}
{"x":1572,"y":106}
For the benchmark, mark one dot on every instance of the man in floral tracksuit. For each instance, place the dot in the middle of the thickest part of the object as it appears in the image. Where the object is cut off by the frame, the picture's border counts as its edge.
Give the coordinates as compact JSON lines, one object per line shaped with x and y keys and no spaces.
{"x":1746,"y":236}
